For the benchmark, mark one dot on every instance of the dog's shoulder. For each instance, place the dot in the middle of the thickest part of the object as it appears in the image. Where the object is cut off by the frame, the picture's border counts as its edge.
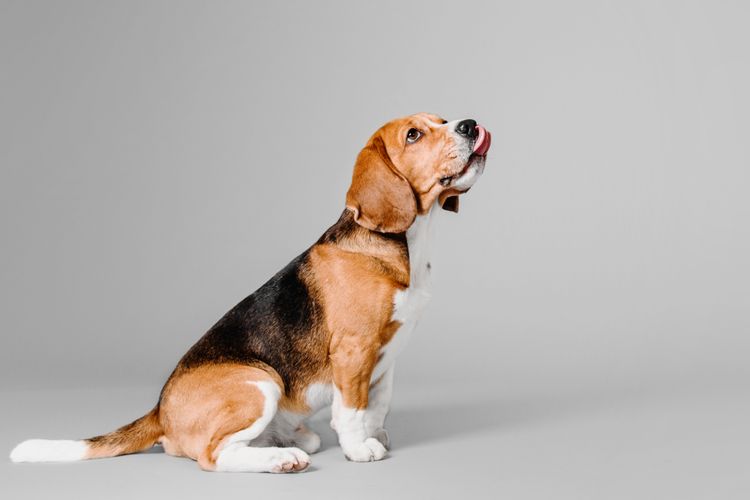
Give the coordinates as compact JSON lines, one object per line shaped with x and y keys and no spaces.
{"x":356,"y":273}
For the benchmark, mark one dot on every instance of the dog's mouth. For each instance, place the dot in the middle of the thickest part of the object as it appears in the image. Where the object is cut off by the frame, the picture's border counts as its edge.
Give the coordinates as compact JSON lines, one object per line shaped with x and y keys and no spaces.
{"x":476,"y":158}
{"x":447,"y":180}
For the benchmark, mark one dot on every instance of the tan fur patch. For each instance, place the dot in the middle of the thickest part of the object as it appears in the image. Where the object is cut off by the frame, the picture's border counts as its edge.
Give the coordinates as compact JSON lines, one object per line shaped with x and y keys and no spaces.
{"x":136,"y":436}
{"x":357,"y":289}
{"x":201,"y":407}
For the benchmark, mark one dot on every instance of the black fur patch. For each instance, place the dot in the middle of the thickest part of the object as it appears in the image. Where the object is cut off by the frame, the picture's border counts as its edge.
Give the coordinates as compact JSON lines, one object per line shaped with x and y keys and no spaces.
{"x":273,"y":326}
{"x":346,"y":225}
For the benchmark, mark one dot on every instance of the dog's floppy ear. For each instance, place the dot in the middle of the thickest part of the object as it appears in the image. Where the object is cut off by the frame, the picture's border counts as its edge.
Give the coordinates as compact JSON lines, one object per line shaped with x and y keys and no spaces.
{"x":380,"y":196}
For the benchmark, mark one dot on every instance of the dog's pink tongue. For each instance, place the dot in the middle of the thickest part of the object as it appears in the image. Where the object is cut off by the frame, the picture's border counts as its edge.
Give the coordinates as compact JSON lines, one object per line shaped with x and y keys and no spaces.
{"x":482,"y":142}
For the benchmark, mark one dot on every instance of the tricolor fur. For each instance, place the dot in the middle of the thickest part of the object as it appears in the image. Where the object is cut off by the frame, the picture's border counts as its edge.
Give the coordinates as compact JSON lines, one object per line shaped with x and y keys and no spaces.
{"x":325,"y":330}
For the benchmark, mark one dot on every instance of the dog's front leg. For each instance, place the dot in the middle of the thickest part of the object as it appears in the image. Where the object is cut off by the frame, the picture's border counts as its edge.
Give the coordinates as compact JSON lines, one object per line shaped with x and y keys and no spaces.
{"x":378,"y":407}
{"x":352,"y":365}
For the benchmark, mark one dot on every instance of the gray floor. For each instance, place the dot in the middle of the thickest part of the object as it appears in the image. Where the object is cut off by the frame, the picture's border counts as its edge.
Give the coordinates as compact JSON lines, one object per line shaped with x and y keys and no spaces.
{"x":661,"y":440}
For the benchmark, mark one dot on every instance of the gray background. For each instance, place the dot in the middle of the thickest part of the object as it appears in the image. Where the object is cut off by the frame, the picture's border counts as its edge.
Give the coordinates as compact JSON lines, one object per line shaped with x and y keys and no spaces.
{"x":588,"y":335}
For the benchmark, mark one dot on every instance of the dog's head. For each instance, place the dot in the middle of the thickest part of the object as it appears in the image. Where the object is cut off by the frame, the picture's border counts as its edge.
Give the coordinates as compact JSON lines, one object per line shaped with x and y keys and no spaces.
{"x":411,"y":162}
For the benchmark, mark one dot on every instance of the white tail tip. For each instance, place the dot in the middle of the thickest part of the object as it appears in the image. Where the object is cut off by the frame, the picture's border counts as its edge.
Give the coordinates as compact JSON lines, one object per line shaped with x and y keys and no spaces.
{"x":49,"y":450}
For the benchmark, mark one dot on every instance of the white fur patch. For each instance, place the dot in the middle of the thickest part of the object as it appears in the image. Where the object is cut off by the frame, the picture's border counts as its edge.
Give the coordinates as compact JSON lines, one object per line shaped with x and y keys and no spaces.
{"x":238,"y":456}
{"x":471,"y":175}
{"x":354,"y":441}
{"x":408,"y":304}
{"x":378,"y":406}
{"x":271,"y":395}
{"x":318,"y":396}
{"x":49,"y":450}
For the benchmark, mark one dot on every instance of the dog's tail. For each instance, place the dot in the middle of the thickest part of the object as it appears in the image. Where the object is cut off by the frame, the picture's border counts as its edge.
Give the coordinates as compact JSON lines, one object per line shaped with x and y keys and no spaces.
{"x":136,"y":436}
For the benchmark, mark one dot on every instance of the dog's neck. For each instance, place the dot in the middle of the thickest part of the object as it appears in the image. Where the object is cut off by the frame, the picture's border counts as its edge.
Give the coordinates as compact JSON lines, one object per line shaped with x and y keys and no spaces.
{"x":419,"y":239}
{"x":389,"y":249}
{"x":409,"y":251}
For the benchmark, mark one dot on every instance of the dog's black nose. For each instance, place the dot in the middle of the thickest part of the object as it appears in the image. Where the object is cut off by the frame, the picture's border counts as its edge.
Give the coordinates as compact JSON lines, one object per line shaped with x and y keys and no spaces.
{"x":467,"y":128}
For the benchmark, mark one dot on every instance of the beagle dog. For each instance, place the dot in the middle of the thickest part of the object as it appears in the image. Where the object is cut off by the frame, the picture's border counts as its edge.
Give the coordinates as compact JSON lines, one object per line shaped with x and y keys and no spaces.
{"x":324,"y":330}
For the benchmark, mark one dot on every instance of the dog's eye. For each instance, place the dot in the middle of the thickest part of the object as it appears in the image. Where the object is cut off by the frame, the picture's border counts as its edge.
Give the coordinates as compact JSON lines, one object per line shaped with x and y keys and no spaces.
{"x":413,"y":135}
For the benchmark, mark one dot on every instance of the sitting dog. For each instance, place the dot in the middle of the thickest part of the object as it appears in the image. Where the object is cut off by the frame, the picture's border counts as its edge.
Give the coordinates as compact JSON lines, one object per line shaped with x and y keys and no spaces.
{"x":325,"y":330}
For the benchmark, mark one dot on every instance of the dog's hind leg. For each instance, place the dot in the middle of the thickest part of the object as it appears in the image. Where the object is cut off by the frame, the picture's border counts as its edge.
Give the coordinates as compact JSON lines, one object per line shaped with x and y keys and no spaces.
{"x":211,"y":413}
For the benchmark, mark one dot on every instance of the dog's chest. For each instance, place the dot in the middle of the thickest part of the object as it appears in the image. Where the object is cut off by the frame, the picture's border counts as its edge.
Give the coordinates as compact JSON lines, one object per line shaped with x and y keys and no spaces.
{"x":409,"y":303}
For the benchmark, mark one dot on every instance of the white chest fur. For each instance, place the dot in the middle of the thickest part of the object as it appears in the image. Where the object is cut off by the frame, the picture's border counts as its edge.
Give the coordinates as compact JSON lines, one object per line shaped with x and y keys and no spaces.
{"x":408,"y":304}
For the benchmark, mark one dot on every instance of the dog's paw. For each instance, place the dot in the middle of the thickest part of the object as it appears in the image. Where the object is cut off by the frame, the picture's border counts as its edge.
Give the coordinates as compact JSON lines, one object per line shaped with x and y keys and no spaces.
{"x":306,"y":439}
{"x":382,"y":436}
{"x":369,"y":450}
{"x":288,"y":460}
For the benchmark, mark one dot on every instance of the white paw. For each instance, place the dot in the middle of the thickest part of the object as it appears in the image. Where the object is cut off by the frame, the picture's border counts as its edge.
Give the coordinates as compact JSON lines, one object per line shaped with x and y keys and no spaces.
{"x":307,"y":440}
{"x":382,"y":436}
{"x":369,"y":450}
{"x":288,"y":460}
